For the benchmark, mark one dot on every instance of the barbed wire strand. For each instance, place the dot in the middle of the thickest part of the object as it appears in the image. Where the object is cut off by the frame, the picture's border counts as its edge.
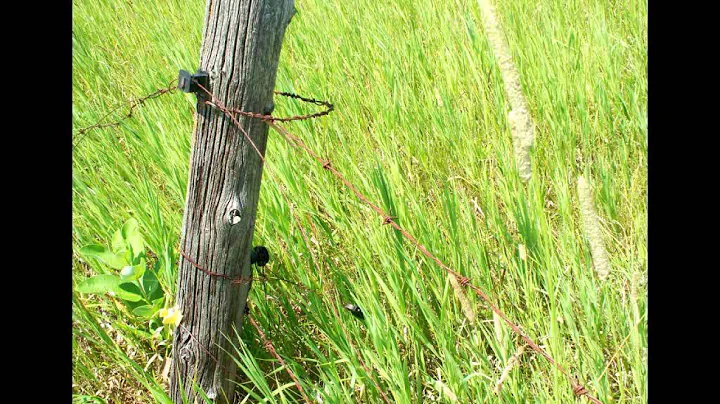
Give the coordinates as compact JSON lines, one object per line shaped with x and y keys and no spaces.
{"x":81,"y":134}
{"x":234,"y":280}
{"x":242,"y":280}
{"x":329,"y":108}
{"x":578,"y":388}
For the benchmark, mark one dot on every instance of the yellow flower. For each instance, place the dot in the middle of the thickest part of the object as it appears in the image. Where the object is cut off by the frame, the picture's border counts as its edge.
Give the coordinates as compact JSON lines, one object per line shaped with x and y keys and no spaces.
{"x":171,"y":316}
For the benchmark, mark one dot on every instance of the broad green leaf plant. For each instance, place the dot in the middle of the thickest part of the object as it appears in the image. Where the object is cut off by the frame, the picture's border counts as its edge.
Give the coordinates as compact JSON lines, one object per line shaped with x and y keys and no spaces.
{"x":130,"y":280}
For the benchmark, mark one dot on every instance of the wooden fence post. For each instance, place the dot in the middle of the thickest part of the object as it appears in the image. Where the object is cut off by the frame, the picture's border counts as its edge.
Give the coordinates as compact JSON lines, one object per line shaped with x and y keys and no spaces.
{"x":240,"y":51}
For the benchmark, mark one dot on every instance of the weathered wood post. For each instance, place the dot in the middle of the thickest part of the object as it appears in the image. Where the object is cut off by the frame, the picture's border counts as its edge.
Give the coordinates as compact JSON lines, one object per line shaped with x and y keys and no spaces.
{"x":240,"y":51}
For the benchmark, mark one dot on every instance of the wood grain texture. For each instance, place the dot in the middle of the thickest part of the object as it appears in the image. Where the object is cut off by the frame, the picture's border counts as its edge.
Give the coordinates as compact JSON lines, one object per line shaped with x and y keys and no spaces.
{"x":240,"y":49}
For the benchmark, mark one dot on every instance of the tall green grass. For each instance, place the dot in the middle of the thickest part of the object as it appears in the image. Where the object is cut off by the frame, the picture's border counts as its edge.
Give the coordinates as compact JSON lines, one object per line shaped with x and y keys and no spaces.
{"x":421,"y":128}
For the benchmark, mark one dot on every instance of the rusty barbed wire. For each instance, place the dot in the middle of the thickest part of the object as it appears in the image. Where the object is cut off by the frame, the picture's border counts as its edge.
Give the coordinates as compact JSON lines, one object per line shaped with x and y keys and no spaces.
{"x":578,"y":389}
{"x":266,"y":118}
{"x":81,"y":134}
{"x":330,"y":107}
{"x":239,"y":280}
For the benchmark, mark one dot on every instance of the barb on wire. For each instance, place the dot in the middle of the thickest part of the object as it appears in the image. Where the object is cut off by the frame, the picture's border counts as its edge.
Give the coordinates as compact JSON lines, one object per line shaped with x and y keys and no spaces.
{"x":81,"y":134}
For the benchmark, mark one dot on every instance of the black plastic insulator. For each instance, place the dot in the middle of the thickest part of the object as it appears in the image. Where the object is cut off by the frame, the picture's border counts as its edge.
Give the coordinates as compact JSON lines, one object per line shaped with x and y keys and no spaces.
{"x":188,"y":82}
{"x":259,"y":256}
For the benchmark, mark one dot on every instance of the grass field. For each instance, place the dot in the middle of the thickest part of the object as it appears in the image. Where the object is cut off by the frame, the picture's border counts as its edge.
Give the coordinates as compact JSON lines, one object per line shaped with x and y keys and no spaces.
{"x":421,"y":128}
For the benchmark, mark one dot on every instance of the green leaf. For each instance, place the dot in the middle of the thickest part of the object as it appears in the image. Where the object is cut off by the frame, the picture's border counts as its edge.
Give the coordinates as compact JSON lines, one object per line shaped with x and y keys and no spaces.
{"x":155,"y":324}
{"x":129,"y":291}
{"x":126,"y":272}
{"x":145,"y":311}
{"x":99,"y":284}
{"x":137,"y":244}
{"x":131,"y":238}
{"x":159,"y":395}
{"x":118,"y":242}
{"x":131,"y":305}
{"x":132,"y":273}
{"x":151,"y":285}
{"x":105,"y":255}
{"x":110,"y":283}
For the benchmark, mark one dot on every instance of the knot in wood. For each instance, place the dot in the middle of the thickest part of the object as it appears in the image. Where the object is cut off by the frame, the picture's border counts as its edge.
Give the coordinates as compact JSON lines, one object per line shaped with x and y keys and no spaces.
{"x":187,"y":354}
{"x":235,"y":217}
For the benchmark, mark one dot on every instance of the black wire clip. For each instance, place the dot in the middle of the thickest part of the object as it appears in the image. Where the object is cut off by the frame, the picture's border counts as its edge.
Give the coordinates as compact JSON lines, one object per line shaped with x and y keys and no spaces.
{"x":190,"y":83}
{"x":259,"y":256}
